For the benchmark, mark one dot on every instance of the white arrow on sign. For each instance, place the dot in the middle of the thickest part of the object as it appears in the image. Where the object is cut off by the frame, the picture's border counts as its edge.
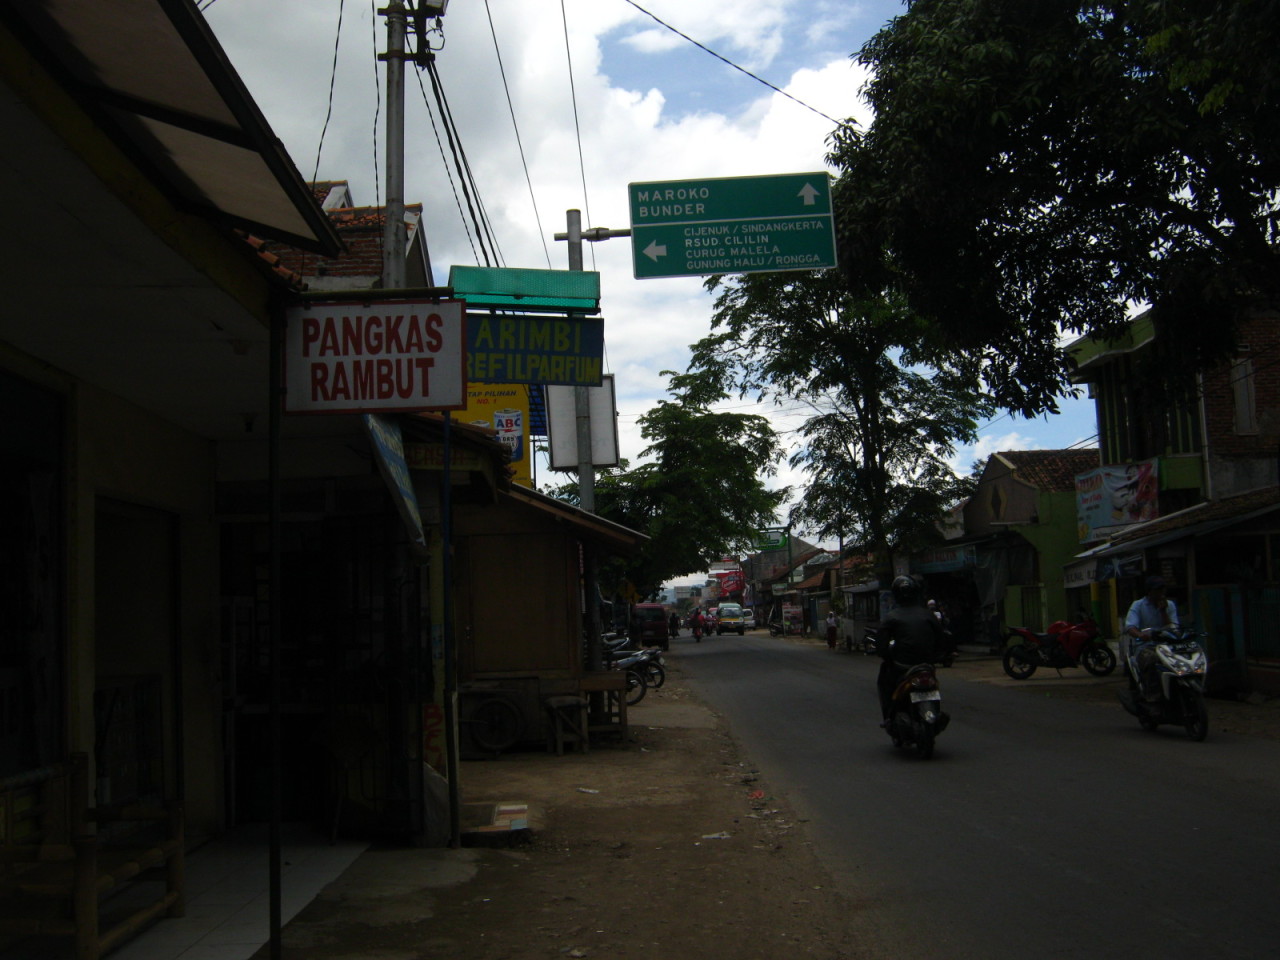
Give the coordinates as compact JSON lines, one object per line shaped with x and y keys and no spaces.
{"x":655,"y":250}
{"x":810,"y":194}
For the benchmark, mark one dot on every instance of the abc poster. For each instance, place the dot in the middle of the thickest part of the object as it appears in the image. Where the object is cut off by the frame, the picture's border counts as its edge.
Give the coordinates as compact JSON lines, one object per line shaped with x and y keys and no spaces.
{"x":503,"y":407}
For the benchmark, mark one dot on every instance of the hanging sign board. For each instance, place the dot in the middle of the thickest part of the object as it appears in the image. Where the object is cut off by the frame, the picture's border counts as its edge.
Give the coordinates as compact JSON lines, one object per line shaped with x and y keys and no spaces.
{"x":388,"y":447}
{"x":387,"y":356}
{"x":562,"y":424}
{"x":531,"y":348}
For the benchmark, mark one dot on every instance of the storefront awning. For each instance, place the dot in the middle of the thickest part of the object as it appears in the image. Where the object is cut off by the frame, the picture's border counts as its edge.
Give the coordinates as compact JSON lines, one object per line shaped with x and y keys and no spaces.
{"x":1123,"y":557}
{"x":152,"y":74}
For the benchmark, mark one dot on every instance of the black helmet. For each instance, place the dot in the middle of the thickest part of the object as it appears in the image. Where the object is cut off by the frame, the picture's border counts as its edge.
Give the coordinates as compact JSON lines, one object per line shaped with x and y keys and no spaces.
{"x":906,"y":592}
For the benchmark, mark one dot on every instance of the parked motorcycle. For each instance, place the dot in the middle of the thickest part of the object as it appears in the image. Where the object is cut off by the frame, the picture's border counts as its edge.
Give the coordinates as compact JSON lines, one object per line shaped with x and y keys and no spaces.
{"x":1063,"y":645}
{"x":1166,"y":681}
{"x":647,"y":665}
{"x":916,"y":717}
{"x":775,"y":628}
{"x":869,"y":645}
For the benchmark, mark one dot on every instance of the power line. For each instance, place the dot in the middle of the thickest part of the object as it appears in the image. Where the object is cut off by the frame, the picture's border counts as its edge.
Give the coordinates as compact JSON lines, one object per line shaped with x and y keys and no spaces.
{"x":377,"y":111}
{"x":519,"y":143}
{"x":577,"y":128}
{"x":333,"y":76}
{"x":455,"y":148}
{"x":453,"y":186}
{"x":734,"y":65}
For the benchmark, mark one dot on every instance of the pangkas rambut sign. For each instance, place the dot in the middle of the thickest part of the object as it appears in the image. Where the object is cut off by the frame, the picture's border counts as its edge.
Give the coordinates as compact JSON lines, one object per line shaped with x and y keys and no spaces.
{"x":381,"y":357}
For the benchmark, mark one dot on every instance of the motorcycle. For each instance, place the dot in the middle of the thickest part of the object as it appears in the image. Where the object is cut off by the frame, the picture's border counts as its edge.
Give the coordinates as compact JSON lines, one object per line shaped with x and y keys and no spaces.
{"x":916,"y":717}
{"x":1063,"y":645}
{"x":1166,"y":681}
{"x":869,"y":645}
{"x":775,"y":628}
{"x":645,"y":668}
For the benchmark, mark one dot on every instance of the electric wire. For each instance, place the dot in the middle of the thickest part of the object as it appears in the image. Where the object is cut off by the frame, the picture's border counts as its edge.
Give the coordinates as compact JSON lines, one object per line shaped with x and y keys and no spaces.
{"x":377,"y":112}
{"x":449,"y":133}
{"x":519,"y":143}
{"x":454,"y":150}
{"x":475,"y":202}
{"x":333,"y":76}
{"x":484,"y":212}
{"x":633,"y":3}
{"x":577,"y":126}
{"x":483,"y":223}
{"x":453,"y":186}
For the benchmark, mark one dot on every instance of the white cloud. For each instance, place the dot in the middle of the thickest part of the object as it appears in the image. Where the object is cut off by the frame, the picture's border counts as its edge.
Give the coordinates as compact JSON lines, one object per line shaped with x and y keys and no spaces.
{"x":656,"y":40}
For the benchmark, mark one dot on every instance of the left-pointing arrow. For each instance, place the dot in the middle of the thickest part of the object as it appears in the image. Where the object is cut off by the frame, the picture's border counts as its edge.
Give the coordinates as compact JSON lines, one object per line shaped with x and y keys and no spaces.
{"x":655,"y":250}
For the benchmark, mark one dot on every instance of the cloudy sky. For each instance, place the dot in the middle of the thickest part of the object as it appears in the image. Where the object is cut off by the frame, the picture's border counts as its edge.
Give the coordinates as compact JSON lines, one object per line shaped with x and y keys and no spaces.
{"x":650,"y":105}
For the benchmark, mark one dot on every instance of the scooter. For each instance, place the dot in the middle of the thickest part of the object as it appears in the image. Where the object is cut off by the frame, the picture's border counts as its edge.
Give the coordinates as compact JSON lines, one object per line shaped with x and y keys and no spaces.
{"x":1166,"y":681}
{"x":648,"y":664}
{"x":916,"y":717}
{"x":1063,"y":645}
{"x":869,"y":645}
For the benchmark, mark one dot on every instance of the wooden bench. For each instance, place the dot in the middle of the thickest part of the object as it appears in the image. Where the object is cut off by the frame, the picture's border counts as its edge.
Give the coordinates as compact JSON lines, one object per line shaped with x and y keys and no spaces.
{"x":55,"y":871}
{"x":567,"y":724}
{"x":613,"y":684}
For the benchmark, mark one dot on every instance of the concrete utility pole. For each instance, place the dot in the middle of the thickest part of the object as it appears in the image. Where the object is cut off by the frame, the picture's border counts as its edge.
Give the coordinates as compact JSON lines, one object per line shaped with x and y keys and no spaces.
{"x":582,"y":417}
{"x":393,"y":233}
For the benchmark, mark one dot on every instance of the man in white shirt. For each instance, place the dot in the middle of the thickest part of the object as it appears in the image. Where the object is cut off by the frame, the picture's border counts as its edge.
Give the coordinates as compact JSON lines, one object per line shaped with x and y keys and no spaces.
{"x":1147,"y":616}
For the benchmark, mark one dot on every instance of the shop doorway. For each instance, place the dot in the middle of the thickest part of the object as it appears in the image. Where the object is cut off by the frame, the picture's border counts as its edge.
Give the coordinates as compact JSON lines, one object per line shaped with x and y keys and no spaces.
{"x":136,"y":713}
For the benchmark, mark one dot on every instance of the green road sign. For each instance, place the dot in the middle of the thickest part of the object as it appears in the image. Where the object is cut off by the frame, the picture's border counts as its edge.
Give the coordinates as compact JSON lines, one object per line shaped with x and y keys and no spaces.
{"x":684,"y":228}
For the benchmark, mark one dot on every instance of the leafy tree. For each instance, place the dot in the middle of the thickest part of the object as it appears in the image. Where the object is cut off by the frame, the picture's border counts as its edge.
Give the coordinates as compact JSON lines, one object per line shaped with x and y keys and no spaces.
{"x":885,"y":408}
{"x":1039,"y":167}
{"x":699,"y":494}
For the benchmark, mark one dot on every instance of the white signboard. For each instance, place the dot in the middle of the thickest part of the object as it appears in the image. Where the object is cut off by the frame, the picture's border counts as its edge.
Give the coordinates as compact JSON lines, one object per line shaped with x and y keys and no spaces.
{"x":388,"y":356}
{"x":562,"y":425}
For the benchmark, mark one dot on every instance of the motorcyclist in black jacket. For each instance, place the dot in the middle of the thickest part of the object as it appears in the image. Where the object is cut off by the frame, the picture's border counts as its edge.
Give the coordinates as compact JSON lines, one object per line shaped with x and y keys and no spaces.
{"x":910,"y":634}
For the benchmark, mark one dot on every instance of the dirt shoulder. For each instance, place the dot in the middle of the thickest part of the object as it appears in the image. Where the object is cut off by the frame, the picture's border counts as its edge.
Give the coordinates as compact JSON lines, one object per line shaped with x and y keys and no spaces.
{"x":669,"y":845}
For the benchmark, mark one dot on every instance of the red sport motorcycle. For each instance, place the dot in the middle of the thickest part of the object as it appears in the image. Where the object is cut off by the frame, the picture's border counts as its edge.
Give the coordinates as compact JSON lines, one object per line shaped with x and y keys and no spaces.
{"x":1062,"y":645}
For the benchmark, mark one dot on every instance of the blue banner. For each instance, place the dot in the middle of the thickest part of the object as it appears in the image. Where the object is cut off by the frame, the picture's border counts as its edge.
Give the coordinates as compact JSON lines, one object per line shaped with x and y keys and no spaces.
{"x":530,"y":348}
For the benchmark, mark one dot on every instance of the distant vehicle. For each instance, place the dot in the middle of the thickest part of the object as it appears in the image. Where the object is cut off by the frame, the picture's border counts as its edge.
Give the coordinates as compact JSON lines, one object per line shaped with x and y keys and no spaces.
{"x":649,"y":625}
{"x":729,"y":619}
{"x":749,"y":619}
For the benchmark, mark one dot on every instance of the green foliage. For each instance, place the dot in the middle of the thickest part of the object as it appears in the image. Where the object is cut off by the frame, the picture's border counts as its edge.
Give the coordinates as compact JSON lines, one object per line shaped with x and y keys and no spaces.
{"x":885,"y":406}
{"x":1036,"y":167}
{"x":699,"y":492}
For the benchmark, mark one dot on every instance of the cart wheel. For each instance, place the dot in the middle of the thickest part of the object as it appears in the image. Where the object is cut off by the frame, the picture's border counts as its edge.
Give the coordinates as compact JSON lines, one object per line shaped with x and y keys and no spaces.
{"x":494,"y":724}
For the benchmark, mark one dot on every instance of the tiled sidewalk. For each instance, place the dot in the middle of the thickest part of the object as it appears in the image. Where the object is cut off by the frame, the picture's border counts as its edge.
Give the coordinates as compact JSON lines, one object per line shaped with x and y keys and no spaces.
{"x":227,"y":915}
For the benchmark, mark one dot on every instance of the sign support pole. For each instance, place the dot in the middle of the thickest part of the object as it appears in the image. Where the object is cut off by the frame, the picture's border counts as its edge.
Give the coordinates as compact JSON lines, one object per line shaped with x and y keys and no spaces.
{"x":586,"y":466}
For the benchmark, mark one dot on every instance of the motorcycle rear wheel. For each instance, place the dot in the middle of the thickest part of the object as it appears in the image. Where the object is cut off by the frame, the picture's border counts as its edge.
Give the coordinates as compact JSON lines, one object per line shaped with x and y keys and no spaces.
{"x":1019,"y":662}
{"x":1195,"y":715}
{"x":655,"y":674}
{"x":1098,"y":659}
{"x":636,"y":687}
{"x":924,"y":741}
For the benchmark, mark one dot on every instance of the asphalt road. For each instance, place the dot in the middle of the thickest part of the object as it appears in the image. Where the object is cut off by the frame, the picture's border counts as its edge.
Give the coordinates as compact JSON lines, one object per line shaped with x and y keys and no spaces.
{"x":1041,"y":827}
